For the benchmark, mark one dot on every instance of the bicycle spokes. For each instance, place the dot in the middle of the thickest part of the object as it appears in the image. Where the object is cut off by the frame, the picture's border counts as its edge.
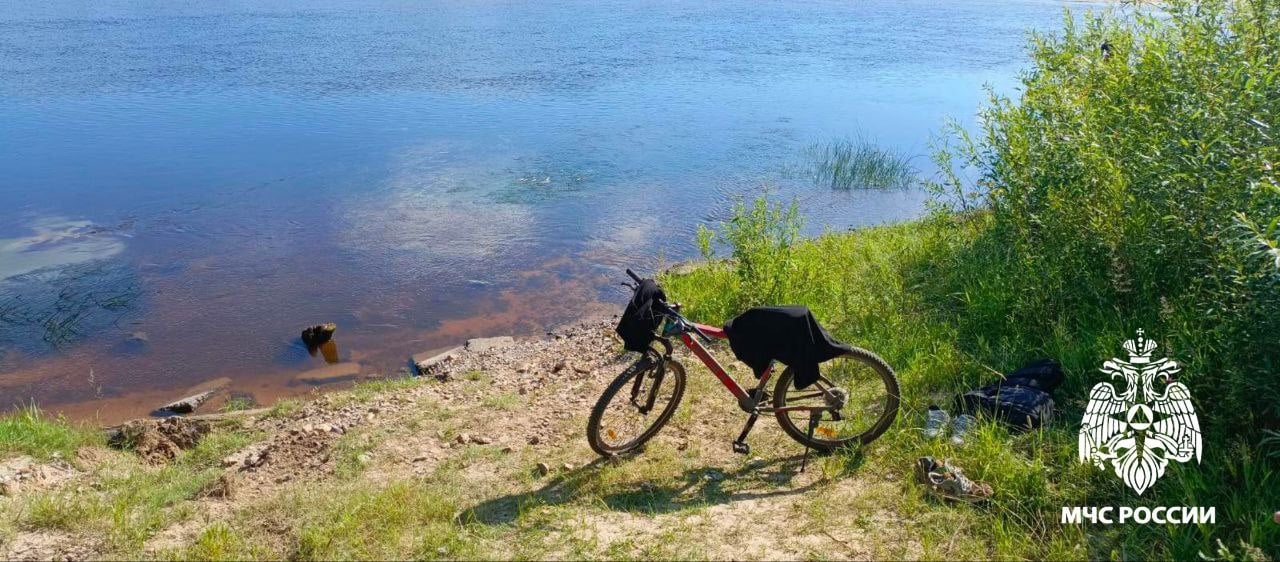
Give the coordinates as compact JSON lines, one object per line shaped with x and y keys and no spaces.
{"x":645,"y":398}
{"x":851,"y":398}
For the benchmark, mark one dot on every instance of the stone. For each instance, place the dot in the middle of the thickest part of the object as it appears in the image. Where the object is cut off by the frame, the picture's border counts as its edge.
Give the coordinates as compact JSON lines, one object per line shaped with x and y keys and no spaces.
{"x":462,"y":439}
{"x":560,"y":366}
{"x":566,"y":467}
{"x":186,"y":405}
{"x":308,"y":428}
{"x":420,"y":457}
{"x":425,"y":362}
{"x":581,"y":370}
{"x":541,"y":469}
{"x":534,"y":440}
{"x":487,"y":344}
{"x":507,"y":449}
{"x":481,"y":440}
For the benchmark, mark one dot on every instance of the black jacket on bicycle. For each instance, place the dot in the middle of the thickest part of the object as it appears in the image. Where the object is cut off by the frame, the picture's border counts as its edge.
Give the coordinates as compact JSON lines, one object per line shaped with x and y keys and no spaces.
{"x":787,"y":334}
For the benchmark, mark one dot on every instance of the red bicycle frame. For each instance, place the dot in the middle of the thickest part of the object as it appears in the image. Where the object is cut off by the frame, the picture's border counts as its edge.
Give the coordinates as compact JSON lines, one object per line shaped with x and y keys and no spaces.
{"x":748,"y":401}
{"x":716,"y":368}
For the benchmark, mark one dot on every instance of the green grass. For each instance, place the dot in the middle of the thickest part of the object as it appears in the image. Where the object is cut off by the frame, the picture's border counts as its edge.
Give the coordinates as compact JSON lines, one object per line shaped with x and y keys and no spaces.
{"x":284,"y":408}
{"x":238,"y":403}
{"x":402,"y":519}
{"x":27,"y":431}
{"x":507,"y":401}
{"x":366,"y":391}
{"x":129,"y":501}
{"x":858,"y":164}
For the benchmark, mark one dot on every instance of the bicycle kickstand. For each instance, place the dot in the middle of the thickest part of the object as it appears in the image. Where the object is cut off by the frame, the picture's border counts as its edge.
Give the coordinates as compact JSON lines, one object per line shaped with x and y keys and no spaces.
{"x":813,"y":424}
{"x":740,"y":446}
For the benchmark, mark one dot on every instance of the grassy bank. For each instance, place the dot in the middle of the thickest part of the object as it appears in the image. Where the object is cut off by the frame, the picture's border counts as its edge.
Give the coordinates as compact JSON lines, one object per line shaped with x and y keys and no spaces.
{"x":1132,"y":184}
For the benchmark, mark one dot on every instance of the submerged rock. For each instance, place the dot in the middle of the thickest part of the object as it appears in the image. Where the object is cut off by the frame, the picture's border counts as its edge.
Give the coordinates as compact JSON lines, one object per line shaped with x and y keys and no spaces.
{"x":329,"y":374}
{"x":184,"y":405}
{"x":317,"y":335}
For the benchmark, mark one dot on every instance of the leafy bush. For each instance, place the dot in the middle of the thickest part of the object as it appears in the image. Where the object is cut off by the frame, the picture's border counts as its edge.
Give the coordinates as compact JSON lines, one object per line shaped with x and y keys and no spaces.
{"x":1122,"y":179}
{"x":761,"y":236}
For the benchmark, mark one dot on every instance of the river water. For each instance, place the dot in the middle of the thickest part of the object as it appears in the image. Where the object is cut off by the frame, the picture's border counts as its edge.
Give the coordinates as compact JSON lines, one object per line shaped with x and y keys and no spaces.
{"x":185,"y":185}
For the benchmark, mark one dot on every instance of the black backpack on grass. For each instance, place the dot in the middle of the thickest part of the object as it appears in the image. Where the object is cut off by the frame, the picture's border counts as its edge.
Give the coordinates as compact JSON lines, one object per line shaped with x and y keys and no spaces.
{"x":1023,"y":400}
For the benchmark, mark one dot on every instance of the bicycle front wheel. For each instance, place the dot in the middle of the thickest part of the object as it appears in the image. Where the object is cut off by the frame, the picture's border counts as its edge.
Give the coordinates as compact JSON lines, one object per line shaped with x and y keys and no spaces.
{"x":635,"y":406}
{"x":869,"y":407}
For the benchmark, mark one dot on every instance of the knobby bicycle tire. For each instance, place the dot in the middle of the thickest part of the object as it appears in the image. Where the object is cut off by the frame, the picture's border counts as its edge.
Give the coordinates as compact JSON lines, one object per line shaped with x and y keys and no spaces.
{"x":881,"y":425}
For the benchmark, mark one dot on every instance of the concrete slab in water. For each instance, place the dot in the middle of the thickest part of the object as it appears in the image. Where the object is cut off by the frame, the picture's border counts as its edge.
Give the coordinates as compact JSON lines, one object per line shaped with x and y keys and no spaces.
{"x":486,"y":344}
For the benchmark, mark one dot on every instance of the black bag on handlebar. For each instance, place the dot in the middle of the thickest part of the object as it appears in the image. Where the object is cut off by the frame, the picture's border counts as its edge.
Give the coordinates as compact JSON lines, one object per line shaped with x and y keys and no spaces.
{"x":639,"y":320}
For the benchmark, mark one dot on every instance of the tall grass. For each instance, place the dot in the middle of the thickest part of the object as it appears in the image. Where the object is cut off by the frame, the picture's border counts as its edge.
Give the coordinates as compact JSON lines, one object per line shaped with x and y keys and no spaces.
{"x":857,"y":163}
{"x":1135,"y":189}
{"x":27,"y":431}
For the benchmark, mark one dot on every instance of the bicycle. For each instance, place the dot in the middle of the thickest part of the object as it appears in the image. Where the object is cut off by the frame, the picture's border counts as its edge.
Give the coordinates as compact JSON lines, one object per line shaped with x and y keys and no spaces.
{"x":861,"y":402}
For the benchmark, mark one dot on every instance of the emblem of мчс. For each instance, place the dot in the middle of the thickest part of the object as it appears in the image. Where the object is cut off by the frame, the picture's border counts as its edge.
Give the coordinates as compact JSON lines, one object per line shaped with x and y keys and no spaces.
{"x":1139,"y":430}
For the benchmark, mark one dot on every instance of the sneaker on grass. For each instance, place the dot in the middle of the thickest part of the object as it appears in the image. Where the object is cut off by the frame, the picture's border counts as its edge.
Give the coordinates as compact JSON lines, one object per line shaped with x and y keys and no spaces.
{"x":949,"y":482}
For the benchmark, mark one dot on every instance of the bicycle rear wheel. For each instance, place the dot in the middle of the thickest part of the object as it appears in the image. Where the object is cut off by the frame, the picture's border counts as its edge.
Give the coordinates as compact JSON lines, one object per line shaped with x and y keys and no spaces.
{"x":870,"y":404}
{"x":635,"y":406}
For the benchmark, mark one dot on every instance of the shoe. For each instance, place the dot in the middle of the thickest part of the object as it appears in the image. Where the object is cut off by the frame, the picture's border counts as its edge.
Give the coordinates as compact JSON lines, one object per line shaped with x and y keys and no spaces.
{"x":924,"y":465}
{"x":961,"y":427}
{"x":949,"y":482}
{"x":935,"y":422}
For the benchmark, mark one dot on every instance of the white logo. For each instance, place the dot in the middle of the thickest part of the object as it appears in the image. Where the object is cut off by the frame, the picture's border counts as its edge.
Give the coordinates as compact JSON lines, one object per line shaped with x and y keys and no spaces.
{"x":1139,"y":431}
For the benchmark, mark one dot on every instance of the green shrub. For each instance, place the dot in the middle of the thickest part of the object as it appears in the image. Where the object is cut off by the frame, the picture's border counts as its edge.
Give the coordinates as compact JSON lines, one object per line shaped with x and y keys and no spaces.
{"x":1140,"y":186}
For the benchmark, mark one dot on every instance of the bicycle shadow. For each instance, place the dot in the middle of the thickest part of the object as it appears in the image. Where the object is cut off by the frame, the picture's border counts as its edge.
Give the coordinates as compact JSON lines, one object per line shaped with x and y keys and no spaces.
{"x":696,"y":487}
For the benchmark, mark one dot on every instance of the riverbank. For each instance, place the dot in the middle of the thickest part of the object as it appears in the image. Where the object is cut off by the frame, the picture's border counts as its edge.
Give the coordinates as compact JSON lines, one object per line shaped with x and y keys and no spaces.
{"x":484,"y":458}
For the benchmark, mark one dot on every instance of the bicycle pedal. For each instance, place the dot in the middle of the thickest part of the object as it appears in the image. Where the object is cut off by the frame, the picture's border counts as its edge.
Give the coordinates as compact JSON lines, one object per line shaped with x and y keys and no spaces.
{"x":741,"y":448}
